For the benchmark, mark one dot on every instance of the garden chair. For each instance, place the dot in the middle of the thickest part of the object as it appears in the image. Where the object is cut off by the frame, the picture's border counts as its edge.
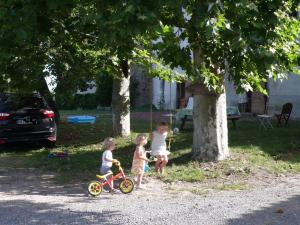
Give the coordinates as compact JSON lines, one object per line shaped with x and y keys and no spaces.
{"x":233,"y":114}
{"x":185,"y":114}
{"x":285,"y":114}
{"x":265,"y":120}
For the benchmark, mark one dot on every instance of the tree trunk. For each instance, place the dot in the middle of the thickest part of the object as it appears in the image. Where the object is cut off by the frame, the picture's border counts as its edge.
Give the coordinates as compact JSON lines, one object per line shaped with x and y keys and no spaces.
{"x":121,"y":104}
{"x":210,"y":140}
{"x":44,"y":90}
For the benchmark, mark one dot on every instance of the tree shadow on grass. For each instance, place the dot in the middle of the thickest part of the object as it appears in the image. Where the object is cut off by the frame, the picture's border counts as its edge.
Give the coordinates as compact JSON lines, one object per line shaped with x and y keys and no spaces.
{"x":282,"y":143}
{"x":38,"y":174}
{"x":19,"y":212}
{"x":35,"y":182}
{"x":285,"y":212}
{"x":84,"y":134}
{"x":85,"y":162}
{"x":22,"y":147}
{"x":69,"y":135}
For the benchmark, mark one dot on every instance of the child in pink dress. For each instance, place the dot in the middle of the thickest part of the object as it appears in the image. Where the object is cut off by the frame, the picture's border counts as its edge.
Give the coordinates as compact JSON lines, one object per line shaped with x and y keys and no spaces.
{"x":139,"y":159}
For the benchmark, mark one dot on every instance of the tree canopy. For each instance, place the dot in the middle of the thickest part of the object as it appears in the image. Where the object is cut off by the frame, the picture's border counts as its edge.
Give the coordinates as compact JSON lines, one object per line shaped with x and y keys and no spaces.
{"x":250,"y":40}
{"x":247,"y":41}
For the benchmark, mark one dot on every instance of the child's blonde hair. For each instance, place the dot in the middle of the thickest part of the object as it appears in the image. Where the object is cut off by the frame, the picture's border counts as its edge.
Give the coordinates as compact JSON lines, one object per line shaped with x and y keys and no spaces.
{"x":139,"y":138}
{"x":108,"y":142}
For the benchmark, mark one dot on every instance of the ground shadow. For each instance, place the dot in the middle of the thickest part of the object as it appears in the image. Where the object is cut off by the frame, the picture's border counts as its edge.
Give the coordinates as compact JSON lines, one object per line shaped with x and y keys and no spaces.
{"x":19,"y":212}
{"x":65,"y":170}
{"x":282,"y":213}
{"x":36,"y":182}
{"x":282,"y":143}
{"x":21,"y":147}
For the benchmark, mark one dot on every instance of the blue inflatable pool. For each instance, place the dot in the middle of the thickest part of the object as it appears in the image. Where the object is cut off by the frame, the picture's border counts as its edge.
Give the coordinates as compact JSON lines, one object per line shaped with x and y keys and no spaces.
{"x":81,"y":119}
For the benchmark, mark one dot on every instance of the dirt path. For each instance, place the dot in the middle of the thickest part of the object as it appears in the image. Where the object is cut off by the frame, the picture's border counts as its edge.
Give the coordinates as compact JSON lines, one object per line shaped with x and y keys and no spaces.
{"x":29,"y":197}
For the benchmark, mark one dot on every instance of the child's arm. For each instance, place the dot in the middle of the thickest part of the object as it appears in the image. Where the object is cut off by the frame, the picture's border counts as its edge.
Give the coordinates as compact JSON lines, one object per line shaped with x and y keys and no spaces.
{"x":140,"y":155}
{"x":109,"y":158}
{"x":170,"y":133}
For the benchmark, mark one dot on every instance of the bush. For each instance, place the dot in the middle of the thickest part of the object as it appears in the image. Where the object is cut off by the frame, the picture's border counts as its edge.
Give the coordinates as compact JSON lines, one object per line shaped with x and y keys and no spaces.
{"x":102,"y":97}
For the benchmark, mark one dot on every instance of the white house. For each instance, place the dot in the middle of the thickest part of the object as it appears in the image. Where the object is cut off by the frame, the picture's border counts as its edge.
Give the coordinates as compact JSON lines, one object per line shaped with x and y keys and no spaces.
{"x":167,"y":95}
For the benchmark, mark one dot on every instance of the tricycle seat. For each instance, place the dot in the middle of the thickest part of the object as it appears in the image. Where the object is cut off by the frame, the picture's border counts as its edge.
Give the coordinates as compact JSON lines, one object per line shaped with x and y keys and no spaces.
{"x":104,"y":176}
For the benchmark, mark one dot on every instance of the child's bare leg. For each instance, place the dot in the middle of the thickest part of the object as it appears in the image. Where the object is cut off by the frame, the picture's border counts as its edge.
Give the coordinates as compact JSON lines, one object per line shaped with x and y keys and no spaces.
{"x":111,"y":183}
{"x":163,"y":164}
{"x":157,"y":164}
{"x":139,"y":180}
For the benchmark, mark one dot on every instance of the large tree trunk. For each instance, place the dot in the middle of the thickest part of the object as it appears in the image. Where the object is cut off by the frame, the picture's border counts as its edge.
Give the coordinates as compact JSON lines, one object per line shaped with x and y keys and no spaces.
{"x":44,"y":90}
{"x":210,"y":140}
{"x":121,"y":103}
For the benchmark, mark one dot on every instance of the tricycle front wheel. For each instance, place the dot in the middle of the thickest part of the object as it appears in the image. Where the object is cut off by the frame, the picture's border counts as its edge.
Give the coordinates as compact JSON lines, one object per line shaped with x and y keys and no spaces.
{"x":95,"y":188}
{"x":126,"y":185}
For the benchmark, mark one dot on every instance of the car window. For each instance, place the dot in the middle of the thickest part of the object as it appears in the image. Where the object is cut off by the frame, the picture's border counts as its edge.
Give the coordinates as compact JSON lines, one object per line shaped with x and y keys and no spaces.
{"x":16,"y":103}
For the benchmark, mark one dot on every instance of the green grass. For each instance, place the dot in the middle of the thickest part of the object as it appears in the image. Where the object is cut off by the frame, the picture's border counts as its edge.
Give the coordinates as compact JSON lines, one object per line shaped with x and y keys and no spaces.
{"x":234,"y":186}
{"x":253,"y":151}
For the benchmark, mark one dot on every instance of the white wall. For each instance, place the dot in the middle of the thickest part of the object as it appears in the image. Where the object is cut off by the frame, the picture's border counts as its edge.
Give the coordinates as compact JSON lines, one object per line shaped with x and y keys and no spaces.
{"x":281,"y":92}
{"x":232,"y":98}
{"x":170,"y":95}
{"x":169,"y":101}
{"x":156,"y":92}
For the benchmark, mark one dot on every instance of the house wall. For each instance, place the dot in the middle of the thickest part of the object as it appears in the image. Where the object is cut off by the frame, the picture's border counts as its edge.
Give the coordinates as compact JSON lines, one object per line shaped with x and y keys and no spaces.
{"x":170,"y":95}
{"x":258,"y":103}
{"x":162,"y":98}
{"x":232,"y":98}
{"x":281,"y":92}
{"x":144,"y":85}
{"x":156,"y":92}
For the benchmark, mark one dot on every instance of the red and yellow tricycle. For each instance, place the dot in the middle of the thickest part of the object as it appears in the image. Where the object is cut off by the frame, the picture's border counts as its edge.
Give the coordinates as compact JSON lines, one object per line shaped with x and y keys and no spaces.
{"x":126,"y":184}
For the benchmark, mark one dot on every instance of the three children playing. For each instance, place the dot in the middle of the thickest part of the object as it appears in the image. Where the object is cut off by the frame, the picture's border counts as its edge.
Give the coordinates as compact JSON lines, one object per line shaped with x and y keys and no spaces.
{"x":158,"y":149}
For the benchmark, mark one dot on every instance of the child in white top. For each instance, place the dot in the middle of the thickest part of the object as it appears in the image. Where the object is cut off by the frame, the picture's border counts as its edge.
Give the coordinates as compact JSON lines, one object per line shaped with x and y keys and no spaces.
{"x":159,"y":146}
{"x":107,"y":157}
{"x":139,"y":159}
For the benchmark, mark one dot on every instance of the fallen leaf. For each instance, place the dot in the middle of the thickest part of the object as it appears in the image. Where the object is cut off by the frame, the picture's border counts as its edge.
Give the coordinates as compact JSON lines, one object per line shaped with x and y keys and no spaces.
{"x":279,"y":210}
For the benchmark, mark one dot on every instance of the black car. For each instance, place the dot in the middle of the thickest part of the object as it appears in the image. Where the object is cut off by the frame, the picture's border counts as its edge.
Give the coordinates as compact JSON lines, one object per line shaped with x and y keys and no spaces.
{"x":26,"y":118}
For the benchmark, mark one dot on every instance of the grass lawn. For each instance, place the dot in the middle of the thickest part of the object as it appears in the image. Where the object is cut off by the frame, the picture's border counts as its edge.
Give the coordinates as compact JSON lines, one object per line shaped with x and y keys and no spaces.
{"x":275,"y":151}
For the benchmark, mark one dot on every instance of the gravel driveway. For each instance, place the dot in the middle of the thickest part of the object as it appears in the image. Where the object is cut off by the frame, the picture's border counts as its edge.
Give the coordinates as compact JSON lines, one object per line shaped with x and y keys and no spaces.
{"x":27,"y":197}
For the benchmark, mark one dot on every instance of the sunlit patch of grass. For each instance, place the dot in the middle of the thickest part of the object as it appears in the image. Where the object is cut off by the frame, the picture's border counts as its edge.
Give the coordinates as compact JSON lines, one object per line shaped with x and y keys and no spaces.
{"x":201,"y":192}
{"x":233,"y":186}
{"x":189,"y":173}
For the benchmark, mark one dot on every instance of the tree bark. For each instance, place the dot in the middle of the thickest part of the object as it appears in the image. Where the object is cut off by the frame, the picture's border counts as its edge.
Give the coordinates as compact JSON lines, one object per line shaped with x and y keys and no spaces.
{"x":121,"y":103}
{"x":44,"y":90}
{"x":210,"y":138}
